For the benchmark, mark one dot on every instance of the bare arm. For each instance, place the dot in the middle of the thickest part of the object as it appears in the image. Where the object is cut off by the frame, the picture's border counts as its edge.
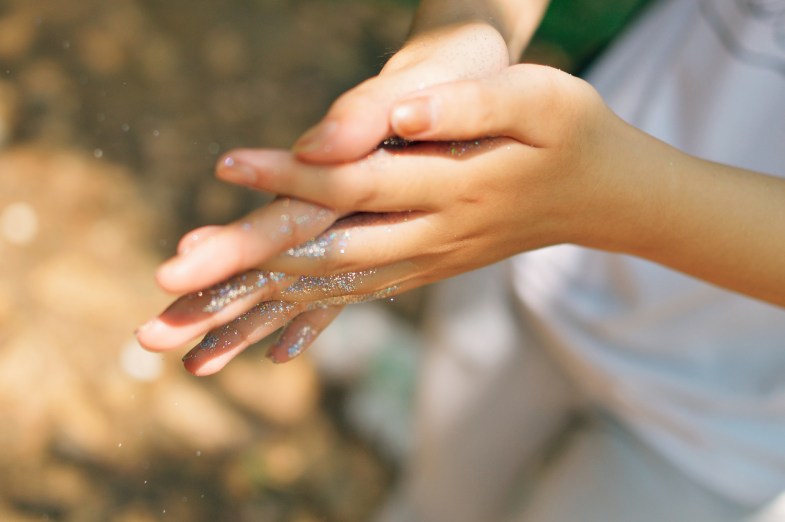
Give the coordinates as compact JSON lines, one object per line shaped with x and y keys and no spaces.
{"x":722,"y":224}
{"x":514,"y":20}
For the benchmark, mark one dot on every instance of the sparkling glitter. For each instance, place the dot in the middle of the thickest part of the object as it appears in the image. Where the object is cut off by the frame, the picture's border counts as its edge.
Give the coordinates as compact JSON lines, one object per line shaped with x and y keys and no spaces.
{"x":209,"y":343}
{"x":271,"y":311}
{"x":342,"y":300}
{"x":300,"y":215}
{"x":285,"y":227}
{"x":394,"y":142}
{"x":223,"y":294}
{"x":339,"y":284}
{"x":320,"y":246}
{"x":459,"y":148}
{"x":305,"y":337}
{"x":218,"y":339}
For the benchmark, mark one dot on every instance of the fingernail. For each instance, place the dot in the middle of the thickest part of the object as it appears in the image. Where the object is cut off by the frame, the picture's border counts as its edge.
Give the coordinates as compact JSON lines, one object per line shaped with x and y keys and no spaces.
{"x":412,"y":117}
{"x":316,"y":139}
{"x":152,"y":329}
{"x":171,"y":267}
{"x":146,"y":326}
{"x":237,"y":171}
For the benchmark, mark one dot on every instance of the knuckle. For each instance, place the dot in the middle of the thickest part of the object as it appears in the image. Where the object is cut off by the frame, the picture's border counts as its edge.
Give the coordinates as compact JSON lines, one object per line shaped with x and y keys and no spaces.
{"x":483,"y":104}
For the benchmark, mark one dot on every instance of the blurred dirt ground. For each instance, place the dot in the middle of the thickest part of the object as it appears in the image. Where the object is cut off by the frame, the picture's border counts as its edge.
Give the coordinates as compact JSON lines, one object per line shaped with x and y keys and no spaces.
{"x":112,"y":113}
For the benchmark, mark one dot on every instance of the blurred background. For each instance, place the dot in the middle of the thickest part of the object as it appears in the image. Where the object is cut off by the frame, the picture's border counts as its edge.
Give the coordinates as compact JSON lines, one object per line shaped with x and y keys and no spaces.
{"x":112,"y":114}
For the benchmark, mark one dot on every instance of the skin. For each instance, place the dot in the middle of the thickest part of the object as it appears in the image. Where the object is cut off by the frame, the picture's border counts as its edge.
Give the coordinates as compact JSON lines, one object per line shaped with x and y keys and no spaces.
{"x":449,"y":40}
{"x":560,"y":168}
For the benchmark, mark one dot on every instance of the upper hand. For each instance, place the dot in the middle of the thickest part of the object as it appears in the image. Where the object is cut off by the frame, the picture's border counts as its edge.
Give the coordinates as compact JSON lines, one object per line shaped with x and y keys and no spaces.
{"x":358,"y":121}
{"x":434,"y":209}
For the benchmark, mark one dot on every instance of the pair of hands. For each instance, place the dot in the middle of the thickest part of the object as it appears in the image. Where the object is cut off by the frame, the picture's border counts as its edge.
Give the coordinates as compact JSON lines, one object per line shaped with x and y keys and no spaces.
{"x":497,"y":160}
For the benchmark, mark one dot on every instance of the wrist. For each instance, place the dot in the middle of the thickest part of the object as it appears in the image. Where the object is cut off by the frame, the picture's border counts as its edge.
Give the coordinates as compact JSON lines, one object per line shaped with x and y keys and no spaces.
{"x":513,"y":20}
{"x":466,"y":50}
{"x":633,"y":186}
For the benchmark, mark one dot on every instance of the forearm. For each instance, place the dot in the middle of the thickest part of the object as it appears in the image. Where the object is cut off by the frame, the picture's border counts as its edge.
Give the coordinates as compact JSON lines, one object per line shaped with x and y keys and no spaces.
{"x":514,"y":20}
{"x":718,"y":223}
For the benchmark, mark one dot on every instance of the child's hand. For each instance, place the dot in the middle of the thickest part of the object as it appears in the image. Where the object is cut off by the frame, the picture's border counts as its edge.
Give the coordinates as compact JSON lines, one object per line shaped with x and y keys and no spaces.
{"x":358,"y":120}
{"x":428,"y":211}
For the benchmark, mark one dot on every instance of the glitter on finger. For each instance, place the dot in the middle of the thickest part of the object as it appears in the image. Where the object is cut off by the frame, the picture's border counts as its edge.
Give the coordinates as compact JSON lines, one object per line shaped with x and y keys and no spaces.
{"x":305,"y":337}
{"x":265,"y":315}
{"x":271,"y":312}
{"x":220,"y":339}
{"x":223,"y":294}
{"x":459,"y":148}
{"x":321,"y":246}
{"x":299,"y":215}
{"x":326,"y":286}
{"x":343,"y":300}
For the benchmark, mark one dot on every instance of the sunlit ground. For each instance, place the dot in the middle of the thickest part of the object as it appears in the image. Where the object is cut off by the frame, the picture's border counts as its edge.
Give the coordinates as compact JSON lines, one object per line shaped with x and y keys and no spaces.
{"x":112,"y":114}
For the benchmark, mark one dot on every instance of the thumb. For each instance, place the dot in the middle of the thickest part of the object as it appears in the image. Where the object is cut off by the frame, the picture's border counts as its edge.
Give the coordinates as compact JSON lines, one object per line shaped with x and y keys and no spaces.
{"x":529,"y":103}
{"x":354,"y":126}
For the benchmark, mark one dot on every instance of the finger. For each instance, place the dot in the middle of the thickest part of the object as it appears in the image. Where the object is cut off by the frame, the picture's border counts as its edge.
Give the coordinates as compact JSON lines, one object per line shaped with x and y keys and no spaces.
{"x":373,"y":184}
{"x":403,"y":176}
{"x":194,"y":314}
{"x":301,"y":332}
{"x":347,"y":287}
{"x":195,"y":237}
{"x":244,"y":245}
{"x":224,"y":344}
{"x":359,"y":119}
{"x":359,"y":243}
{"x":525,"y":102}
{"x":345,"y":137}
{"x":357,"y":122}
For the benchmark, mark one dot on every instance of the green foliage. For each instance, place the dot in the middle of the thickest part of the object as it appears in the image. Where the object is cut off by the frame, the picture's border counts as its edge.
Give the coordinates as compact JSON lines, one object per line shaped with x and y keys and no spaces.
{"x":582,"y":28}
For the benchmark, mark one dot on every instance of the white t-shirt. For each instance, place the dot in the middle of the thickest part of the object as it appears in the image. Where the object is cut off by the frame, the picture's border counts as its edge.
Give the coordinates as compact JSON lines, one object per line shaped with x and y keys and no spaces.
{"x":696,"y":371}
